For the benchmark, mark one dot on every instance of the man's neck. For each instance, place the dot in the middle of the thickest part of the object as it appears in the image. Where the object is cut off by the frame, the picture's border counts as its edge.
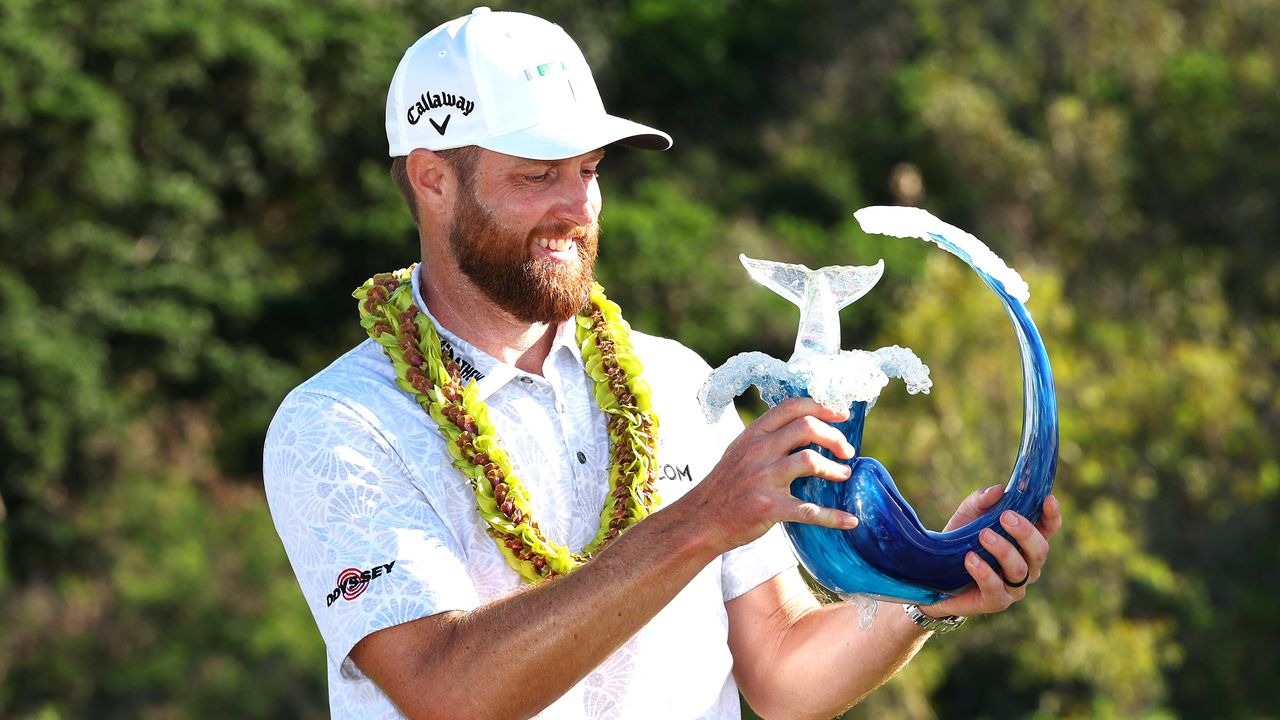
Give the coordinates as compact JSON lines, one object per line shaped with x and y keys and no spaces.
{"x":467,"y":312}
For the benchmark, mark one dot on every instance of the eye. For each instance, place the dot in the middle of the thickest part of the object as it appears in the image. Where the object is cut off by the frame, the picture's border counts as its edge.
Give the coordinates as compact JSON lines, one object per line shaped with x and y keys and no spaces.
{"x":536,"y":178}
{"x":589,"y":173}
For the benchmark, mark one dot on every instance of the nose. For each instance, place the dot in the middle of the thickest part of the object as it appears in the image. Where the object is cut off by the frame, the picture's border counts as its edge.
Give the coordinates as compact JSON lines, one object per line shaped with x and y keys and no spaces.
{"x":579,"y":201}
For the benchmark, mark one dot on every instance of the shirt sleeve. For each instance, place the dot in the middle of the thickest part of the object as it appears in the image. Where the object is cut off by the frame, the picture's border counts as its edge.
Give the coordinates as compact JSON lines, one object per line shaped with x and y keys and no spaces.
{"x":746,"y":567}
{"x":368,"y":549}
{"x":759,"y":560}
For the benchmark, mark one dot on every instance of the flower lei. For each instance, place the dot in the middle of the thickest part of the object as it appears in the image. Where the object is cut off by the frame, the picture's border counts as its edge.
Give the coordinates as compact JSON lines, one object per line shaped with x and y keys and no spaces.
{"x":431,"y":376}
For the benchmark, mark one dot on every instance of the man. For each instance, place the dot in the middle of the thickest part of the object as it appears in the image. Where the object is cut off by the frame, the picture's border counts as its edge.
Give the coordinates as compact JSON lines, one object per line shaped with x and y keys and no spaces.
{"x":437,"y":592}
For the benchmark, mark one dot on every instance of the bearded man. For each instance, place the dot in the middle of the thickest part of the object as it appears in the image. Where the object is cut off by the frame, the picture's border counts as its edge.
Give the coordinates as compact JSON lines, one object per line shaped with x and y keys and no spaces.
{"x":448,"y":536}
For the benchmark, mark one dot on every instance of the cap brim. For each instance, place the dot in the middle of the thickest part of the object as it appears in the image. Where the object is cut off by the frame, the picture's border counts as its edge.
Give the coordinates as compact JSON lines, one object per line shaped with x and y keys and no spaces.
{"x":566,"y":138}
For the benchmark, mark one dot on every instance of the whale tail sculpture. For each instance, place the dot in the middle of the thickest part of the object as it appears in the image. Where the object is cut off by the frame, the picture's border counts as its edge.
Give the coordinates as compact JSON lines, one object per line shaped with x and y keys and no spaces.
{"x":847,"y":283}
{"x":891,"y":555}
{"x":820,"y":294}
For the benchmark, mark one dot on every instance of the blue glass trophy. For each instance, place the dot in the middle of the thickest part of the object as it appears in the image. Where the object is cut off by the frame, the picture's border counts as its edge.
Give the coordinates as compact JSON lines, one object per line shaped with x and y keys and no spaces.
{"x":890,"y":555}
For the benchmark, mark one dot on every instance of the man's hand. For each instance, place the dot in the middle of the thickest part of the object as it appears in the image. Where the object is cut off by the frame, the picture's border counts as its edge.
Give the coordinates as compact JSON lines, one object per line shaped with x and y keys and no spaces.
{"x":749,"y":490}
{"x":793,"y":657}
{"x":991,"y":593}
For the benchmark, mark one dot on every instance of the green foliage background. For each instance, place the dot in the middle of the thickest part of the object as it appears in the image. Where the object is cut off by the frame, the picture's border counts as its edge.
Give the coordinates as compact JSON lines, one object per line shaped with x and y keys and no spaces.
{"x":189,"y":191}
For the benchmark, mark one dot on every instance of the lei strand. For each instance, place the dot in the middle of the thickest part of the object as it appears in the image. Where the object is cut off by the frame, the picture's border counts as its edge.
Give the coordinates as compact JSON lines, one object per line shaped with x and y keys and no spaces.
{"x":431,"y":376}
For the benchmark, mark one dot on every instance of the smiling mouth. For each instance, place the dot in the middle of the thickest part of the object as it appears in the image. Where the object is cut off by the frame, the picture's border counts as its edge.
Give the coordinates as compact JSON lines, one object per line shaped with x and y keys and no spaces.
{"x":557,"y":244}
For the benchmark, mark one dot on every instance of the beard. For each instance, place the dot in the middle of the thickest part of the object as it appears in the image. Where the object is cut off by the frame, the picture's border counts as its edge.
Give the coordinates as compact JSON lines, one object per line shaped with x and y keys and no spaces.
{"x":501,"y":263}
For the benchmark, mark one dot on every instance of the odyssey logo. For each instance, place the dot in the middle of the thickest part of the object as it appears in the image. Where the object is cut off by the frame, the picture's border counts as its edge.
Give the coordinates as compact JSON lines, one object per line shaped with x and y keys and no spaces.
{"x":353,"y":582}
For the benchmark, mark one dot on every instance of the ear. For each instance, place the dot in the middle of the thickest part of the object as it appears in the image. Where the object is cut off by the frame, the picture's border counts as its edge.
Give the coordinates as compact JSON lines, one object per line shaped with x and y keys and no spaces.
{"x":432,"y":179}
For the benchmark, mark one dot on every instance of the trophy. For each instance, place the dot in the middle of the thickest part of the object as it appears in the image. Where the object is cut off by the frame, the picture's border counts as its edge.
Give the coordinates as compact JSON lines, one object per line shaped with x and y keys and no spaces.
{"x":890,"y":555}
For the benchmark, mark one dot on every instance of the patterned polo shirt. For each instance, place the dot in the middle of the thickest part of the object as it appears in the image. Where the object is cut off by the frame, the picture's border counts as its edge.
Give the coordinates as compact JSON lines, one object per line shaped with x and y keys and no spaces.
{"x":380,"y":529}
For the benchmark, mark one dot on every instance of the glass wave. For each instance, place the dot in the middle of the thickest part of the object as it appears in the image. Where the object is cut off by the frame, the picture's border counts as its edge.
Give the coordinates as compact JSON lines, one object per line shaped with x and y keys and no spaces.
{"x":891,"y":555}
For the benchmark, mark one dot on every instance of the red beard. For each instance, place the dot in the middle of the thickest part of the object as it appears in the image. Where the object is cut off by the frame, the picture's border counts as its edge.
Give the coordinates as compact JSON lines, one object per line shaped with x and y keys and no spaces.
{"x":500,"y":262}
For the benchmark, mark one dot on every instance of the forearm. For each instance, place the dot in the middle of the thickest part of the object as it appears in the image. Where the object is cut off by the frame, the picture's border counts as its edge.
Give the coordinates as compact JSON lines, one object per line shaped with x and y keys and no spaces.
{"x":795,"y":658}
{"x":826,"y":663}
{"x":515,"y":656}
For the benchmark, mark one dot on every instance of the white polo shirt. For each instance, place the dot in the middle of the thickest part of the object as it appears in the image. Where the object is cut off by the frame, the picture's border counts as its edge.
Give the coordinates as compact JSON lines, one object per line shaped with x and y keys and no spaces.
{"x":381,"y":530}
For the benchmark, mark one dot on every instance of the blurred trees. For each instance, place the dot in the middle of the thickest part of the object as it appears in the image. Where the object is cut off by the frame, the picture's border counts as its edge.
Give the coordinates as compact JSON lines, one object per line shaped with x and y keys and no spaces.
{"x":189,"y":190}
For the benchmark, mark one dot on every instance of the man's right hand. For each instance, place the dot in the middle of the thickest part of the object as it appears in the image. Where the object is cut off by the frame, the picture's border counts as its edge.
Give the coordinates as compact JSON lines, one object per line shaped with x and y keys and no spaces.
{"x":749,"y":490}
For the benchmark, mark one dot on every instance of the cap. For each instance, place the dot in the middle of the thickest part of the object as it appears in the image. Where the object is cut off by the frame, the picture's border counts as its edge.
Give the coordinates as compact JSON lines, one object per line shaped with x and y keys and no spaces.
{"x":508,"y":82}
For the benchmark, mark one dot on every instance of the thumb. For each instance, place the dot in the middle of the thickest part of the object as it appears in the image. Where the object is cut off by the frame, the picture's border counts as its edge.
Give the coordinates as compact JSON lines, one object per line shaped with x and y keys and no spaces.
{"x":978,"y":502}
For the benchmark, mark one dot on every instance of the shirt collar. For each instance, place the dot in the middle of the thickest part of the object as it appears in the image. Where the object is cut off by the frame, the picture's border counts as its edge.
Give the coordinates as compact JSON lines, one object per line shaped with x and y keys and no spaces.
{"x":490,"y":373}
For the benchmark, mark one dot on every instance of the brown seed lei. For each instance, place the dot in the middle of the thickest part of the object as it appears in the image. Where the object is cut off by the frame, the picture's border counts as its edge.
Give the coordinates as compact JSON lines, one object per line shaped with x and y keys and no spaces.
{"x":431,"y":376}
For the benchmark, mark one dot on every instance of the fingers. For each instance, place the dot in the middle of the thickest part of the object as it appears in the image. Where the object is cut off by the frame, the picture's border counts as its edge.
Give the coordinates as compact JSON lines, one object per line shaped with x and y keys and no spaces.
{"x":1020,"y":563}
{"x":1035,"y":547}
{"x":1014,"y":568}
{"x":806,"y":430}
{"x":755,"y":473}
{"x":982,"y":499}
{"x":1050,"y":518}
{"x":1023,"y":558}
{"x":988,"y":595}
{"x":826,"y":517}
{"x":809,"y":463}
{"x":800,"y":422}
{"x":995,"y":594}
{"x":972,"y":507}
{"x":780,"y":415}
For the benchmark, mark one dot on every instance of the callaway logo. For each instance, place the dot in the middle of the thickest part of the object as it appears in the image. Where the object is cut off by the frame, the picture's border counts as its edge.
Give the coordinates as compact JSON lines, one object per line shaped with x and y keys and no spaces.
{"x":352,"y":582}
{"x":431,"y":101}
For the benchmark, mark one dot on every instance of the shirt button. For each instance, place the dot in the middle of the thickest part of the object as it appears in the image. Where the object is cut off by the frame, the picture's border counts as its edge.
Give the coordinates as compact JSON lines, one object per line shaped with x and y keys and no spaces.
{"x":526,"y":379}
{"x":582,"y":457}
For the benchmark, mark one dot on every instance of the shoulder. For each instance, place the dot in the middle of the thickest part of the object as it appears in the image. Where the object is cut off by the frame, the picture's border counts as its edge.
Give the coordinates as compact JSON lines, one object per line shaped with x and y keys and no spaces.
{"x":354,"y":397}
{"x":361,"y":371}
{"x":667,"y":360}
{"x":349,"y":435}
{"x":361,"y":377}
{"x":676,"y":375}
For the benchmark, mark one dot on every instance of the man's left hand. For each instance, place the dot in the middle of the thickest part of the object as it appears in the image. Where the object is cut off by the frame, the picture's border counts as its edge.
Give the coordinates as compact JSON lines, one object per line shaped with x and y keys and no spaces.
{"x":991,"y":593}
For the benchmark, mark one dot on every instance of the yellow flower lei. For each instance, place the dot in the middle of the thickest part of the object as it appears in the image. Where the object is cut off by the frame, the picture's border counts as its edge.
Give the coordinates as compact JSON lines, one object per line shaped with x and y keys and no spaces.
{"x":424,"y":370}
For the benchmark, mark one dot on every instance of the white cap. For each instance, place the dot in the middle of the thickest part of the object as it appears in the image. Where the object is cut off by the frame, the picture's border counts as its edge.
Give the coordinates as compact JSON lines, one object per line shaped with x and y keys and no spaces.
{"x":508,"y":82}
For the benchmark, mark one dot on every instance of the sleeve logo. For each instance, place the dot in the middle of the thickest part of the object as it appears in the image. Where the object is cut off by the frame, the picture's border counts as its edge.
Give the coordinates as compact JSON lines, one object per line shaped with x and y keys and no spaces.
{"x":352,"y":582}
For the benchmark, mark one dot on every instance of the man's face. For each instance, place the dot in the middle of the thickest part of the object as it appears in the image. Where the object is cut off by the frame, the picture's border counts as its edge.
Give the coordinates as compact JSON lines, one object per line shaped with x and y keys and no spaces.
{"x":526,"y":233}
